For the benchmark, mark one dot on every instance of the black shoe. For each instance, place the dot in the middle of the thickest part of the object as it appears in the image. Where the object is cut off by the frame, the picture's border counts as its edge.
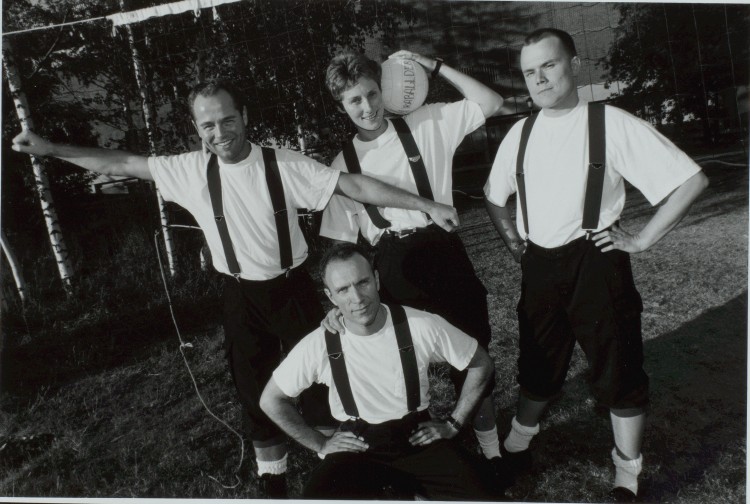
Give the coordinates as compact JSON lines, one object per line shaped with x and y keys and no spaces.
{"x":272,"y":486}
{"x":621,"y":494}
{"x":516,"y":463}
{"x":502,"y":479}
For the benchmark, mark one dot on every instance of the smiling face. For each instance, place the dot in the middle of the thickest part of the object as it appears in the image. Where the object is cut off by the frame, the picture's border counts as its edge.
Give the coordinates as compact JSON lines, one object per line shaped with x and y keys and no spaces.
{"x":353,"y":287}
{"x":550,"y":74}
{"x":221,"y":126}
{"x":363,"y":103}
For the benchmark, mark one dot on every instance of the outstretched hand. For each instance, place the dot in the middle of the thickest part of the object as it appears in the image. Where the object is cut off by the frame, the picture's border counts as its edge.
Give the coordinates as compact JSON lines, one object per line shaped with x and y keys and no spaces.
{"x":331,"y":322}
{"x":444,"y":216}
{"x":344,"y":442}
{"x":429,"y":432}
{"x":427,"y":63}
{"x":31,"y":143}
{"x":616,"y":238}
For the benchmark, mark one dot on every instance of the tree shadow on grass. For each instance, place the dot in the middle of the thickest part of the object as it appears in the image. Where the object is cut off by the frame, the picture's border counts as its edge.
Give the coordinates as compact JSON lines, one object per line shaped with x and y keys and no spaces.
{"x":698,"y":397}
{"x":698,"y":377}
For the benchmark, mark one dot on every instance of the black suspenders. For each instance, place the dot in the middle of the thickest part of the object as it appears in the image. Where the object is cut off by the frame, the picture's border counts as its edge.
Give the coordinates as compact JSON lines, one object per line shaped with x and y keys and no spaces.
{"x":352,"y":164}
{"x":276,"y":191}
{"x":408,"y":364}
{"x":597,"y":161}
{"x":418,"y":169}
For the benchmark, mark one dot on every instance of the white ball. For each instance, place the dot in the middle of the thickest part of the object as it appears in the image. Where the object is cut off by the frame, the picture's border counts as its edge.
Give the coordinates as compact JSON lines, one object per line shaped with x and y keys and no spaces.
{"x":404,"y":85}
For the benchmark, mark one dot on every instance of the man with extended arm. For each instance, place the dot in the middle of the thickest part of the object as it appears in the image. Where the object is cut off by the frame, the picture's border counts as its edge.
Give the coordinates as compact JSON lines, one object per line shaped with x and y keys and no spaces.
{"x":245,"y":199}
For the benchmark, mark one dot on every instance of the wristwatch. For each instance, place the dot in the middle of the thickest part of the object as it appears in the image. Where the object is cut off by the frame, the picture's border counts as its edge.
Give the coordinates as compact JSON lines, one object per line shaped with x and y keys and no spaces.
{"x":454,"y":423}
{"x":436,"y":71}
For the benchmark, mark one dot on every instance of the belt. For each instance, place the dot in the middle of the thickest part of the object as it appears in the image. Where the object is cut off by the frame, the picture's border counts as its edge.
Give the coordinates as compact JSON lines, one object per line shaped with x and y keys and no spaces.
{"x":564,"y":249}
{"x":403,"y":233}
{"x":279,"y":279}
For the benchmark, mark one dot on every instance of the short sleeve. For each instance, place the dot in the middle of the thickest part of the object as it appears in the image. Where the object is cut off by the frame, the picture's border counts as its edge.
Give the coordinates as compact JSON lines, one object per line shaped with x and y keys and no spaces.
{"x":302,"y":366}
{"x":455,"y":120}
{"x":501,"y":182}
{"x":646,"y":158}
{"x":175,"y":175}
{"x":443,"y":341}
{"x":341,"y":217}
{"x":309,"y":184}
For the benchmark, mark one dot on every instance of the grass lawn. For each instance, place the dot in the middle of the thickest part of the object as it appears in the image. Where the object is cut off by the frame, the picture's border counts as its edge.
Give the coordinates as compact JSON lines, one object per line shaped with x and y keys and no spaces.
{"x":115,"y":414}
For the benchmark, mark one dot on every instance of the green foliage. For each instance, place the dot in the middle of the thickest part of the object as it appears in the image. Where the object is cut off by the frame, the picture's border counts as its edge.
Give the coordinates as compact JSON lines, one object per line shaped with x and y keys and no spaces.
{"x":676,"y":60}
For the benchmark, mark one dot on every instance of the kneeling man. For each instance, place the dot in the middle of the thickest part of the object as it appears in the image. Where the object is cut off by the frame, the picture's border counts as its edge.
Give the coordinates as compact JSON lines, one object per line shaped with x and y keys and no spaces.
{"x":376,"y":370}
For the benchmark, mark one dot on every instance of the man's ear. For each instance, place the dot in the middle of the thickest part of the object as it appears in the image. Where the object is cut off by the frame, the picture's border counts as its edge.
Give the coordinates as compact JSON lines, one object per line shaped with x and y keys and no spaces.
{"x":328,"y":293}
{"x":575,"y":65}
{"x":204,"y":144}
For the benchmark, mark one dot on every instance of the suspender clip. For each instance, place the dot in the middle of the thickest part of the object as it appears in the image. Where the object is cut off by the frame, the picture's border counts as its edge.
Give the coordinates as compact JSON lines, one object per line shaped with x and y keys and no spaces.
{"x":282,"y":210}
{"x":236,"y":277}
{"x":219,"y":218}
{"x":288,"y":272}
{"x":588,"y":234}
{"x":405,"y":349}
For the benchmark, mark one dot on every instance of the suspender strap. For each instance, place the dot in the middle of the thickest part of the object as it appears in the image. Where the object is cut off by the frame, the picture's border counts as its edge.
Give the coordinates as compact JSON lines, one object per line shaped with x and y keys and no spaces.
{"x":408,"y":364}
{"x":276,"y":190}
{"x":597,"y":159}
{"x":408,"y":356}
{"x":214,"y":193}
{"x":338,"y":371}
{"x":352,"y":164}
{"x":525,"y":133}
{"x":415,"y":158}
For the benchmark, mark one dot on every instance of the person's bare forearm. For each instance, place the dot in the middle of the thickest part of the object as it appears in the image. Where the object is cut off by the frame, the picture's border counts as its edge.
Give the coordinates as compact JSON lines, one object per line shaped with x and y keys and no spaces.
{"x":663,"y":221}
{"x":672,"y":211}
{"x":283,"y":413}
{"x":365,"y":189}
{"x":369,"y":190}
{"x":488,"y":100}
{"x":501,"y":219}
{"x":479,"y":373}
{"x":105,"y":161}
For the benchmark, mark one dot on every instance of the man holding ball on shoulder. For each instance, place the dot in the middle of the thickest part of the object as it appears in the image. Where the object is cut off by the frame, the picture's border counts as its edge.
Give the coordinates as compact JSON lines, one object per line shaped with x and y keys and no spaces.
{"x":419,"y":265}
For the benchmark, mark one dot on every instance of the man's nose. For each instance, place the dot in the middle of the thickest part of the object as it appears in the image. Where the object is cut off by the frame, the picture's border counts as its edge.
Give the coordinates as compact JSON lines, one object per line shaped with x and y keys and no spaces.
{"x":540,"y":77}
{"x":356,"y":296}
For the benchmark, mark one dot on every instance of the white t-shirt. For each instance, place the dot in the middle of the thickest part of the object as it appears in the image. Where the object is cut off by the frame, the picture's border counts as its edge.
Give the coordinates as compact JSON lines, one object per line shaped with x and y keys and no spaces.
{"x":556,"y":168}
{"x":247,"y":204}
{"x":373,"y":365}
{"x":438,"y":129}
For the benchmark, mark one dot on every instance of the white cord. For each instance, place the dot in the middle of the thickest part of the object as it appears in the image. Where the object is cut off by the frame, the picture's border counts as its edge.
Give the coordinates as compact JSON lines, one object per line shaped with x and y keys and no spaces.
{"x":184,"y":345}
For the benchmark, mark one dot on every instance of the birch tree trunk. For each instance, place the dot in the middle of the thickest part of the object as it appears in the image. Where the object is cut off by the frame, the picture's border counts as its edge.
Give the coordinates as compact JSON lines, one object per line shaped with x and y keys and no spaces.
{"x":148,"y":116}
{"x":40,"y":177}
{"x":14,"y":267}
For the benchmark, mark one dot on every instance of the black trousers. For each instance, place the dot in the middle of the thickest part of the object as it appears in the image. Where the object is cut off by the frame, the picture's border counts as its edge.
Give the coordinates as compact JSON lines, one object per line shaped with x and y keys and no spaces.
{"x":263,"y":320}
{"x":431,"y":271}
{"x":578,"y":293}
{"x":393,"y":469}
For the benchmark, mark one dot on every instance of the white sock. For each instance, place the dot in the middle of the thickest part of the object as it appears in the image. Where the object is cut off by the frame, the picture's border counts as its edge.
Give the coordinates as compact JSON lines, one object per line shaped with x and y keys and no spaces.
{"x":272,"y":466}
{"x":519,"y":436}
{"x":488,"y":442}
{"x":627,"y":471}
